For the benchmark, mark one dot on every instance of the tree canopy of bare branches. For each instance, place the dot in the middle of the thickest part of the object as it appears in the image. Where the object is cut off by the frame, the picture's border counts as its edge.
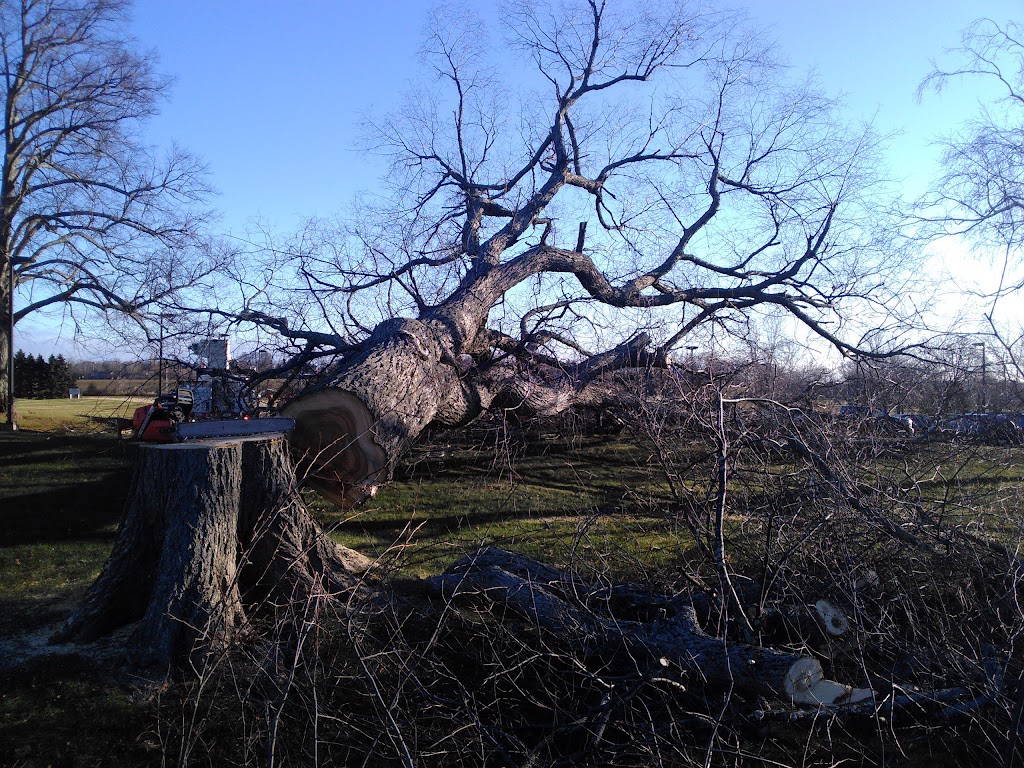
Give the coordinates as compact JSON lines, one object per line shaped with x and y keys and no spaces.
{"x":662,"y":160}
{"x":980,"y":191}
{"x":660,"y":171}
{"x":90,"y":217}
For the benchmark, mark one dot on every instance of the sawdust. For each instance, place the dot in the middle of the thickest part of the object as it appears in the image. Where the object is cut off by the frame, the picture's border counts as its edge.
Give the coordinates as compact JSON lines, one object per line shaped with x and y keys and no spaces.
{"x":19,"y":650}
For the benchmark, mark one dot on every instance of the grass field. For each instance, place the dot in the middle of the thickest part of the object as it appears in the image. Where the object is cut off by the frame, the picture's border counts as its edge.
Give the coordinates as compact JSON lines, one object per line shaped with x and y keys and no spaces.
{"x":85,"y":415}
{"x":64,"y":479}
{"x":600,"y":502}
{"x":118,"y":387}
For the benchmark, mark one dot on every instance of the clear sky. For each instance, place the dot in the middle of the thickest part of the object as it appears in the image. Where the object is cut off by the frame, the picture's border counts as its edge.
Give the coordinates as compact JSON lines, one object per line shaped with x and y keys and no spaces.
{"x":270,"y":93}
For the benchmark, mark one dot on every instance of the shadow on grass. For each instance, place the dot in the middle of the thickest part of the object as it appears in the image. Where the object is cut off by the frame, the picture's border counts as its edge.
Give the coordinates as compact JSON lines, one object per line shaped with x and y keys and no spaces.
{"x":65,"y":711}
{"x":110,"y":424}
{"x":27,"y":614}
{"x":57,"y":487}
{"x":453,"y":523}
{"x":64,"y":513}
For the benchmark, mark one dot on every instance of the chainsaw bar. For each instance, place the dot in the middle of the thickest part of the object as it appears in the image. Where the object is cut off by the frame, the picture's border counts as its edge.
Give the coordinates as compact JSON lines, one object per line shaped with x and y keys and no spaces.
{"x":191,"y":430}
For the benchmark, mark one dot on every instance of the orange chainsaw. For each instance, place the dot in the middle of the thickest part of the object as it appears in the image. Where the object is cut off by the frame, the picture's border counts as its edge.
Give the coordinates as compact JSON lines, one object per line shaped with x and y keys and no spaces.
{"x":169,"y":420}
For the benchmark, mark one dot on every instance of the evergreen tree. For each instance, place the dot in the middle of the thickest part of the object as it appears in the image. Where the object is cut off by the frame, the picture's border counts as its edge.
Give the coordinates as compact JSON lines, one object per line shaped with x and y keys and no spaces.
{"x":20,"y":374}
{"x":47,"y":381}
{"x":63,"y":377}
{"x":36,"y":376}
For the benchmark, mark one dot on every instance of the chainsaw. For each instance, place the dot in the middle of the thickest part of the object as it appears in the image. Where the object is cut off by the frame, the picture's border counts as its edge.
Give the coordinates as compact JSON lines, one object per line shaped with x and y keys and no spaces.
{"x":169,"y":420}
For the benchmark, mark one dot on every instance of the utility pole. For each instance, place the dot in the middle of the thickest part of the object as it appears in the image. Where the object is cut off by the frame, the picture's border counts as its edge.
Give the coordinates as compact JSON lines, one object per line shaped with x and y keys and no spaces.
{"x":160,"y":363}
{"x":984,"y":377}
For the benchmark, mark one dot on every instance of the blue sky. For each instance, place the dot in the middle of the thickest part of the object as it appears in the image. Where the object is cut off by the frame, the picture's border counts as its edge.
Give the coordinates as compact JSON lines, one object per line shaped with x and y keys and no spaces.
{"x":270,"y":93}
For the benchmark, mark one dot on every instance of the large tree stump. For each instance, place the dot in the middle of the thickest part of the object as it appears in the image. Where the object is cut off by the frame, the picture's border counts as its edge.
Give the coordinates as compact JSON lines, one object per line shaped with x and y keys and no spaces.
{"x":211,"y":529}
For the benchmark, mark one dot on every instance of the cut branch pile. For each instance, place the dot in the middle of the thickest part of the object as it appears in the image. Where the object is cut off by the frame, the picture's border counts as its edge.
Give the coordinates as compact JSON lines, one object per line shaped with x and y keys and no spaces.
{"x":551,"y":601}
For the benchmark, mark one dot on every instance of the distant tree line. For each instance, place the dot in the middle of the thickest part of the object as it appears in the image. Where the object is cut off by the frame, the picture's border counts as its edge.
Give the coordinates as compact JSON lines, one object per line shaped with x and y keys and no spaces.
{"x":37,"y":378}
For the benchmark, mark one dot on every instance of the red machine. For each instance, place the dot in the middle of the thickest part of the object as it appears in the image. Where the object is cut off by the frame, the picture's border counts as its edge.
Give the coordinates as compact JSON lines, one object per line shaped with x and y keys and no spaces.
{"x":158,"y":423}
{"x":168,"y":420}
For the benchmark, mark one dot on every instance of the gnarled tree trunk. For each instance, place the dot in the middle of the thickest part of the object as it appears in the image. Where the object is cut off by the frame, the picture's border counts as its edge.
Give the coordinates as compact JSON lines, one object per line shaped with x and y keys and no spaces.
{"x":350,"y":433}
{"x":212,"y":528}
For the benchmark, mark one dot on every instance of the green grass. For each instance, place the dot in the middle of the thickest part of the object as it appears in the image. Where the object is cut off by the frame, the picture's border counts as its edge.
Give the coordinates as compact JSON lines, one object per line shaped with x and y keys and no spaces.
{"x":60,"y":500}
{"x":598,"y":503}
{"x":61,"y":495}
{"x":581,"y":501}
{"x":120,"y":387}
{"x":81,"y":415}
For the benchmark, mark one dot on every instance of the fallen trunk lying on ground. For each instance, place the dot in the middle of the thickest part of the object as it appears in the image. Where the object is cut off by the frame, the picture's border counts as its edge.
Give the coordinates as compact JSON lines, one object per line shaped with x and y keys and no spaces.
{"x":544,"y":596}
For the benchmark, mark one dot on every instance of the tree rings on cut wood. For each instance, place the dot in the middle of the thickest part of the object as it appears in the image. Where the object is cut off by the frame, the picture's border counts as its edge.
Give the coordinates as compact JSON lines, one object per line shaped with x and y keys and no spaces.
{"x":832,"y":619}
{"x":335,"y":448}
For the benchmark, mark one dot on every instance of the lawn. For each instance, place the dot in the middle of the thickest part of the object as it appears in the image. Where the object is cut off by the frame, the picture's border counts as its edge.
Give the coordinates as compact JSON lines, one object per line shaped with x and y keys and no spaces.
{"x":601,"y":503}
{"x":591,"y":500}
{"x":85,"y":415}
{"x":62,"y":492}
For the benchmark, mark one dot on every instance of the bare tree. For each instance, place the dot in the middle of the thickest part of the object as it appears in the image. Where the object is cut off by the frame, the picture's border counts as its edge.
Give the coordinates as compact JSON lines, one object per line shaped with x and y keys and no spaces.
{"x":699,"y":186}
{"x":979,"y":194}
{"x":90,"y":217}
{"x":980,"y":190}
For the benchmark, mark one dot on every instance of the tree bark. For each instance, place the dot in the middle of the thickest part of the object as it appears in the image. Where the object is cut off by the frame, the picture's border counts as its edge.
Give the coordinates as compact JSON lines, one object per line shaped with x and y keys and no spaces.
{"x":548,"y":599}
{"x":211,"y":529}
{"x":350,"y":433}
{"x":6,"y":342}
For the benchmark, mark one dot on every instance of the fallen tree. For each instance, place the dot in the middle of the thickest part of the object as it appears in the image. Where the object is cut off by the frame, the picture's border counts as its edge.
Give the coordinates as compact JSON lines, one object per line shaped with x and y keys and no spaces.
{"x":213,"y":531}
{"x":532,"y":589}
{"x":801,"y":184}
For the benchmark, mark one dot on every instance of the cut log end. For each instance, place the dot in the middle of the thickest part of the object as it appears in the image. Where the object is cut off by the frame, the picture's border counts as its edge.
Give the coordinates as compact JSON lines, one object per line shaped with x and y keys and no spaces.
{"x":334,"y":446}
{"x":832,"y":618}
{"x":805,"y":683}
